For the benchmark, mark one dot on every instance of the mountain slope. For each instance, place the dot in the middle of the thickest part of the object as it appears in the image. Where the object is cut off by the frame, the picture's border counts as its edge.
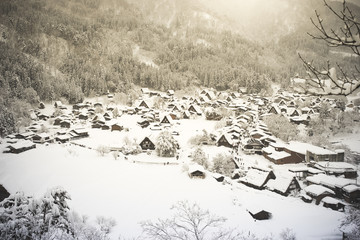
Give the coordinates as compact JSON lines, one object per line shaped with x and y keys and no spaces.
{"x":70,"y":49}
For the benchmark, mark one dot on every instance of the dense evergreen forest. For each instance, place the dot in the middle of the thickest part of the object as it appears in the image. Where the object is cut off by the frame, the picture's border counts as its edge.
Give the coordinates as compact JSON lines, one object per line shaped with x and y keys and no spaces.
{"x":69,"y":49}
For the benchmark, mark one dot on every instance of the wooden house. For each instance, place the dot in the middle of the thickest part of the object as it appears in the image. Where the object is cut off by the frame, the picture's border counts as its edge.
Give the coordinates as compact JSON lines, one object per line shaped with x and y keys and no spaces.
{"x":274,"y":110}
{"x":79,"y":133}
{"x":284,"y":185}
{"x":41,"y":105}
{"x":251,"y":146}
{"x":43,"y":116}
{"x":58,"y":120}
{"x":116,"y":127}
{"x":148,"y":143}
{"x":308,"y":152}
{"x":83,"y":115}
{"x":210,"y":95}
{"x":293,"y":112}
{"x":256,"y":178}
{"x":144,"y":104}
{"x":42,"y":138}
{"x":65,"y":124}
{"x":333,"y":203}
{"x":225,"y":140}
{"x":282,"y":103}
{"x":3,"y":193}
{"x":196,"y":171}
{"x":98,"y":105}
{"x":351,"y":193}
{"x":58,"y":104}
{"x":99,"y":119}
{"x":318,"y":192}
{"x":20,"y":146}
{"x":303,"y":119}
{"x":186,"y":114}
{"x":62,"y":138}
{"x":195,"y":110}
{"x":336,"y":184}
{"x":145,"y":91}
{"x":108,"y":116}
{"x":218,"y":177}
{"x":170,"y":92}
{"x":24,"y":135}
{"x":167,"y":120}
{"x":144,"y":123}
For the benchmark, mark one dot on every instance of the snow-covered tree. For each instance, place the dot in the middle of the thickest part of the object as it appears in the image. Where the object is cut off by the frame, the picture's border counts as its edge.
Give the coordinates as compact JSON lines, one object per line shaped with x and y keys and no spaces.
{"x":223,"y":164}
{"x":49,"y":217}
{"x":351,"y":223}
{"x":199,"y":156}
{"x":23,"y":217}
{"x":166,"y":144}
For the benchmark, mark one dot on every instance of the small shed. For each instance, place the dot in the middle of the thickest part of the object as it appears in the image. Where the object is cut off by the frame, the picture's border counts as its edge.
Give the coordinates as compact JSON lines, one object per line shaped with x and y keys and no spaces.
{"x":196,"y":171}
{"x":260,"y":215}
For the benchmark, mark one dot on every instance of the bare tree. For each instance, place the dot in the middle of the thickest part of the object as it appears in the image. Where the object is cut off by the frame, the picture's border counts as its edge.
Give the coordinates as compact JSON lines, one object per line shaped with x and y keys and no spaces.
{"x":347,"y":36}
{"x":189,"y":222}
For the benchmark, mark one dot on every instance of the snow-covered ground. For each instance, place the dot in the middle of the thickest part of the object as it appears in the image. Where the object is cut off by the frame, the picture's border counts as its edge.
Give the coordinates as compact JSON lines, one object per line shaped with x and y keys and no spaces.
{"x":133,"y":192}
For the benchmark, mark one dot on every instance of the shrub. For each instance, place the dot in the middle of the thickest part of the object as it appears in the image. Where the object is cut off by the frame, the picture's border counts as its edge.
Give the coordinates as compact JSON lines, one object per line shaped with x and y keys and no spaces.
{"x":199,"y":156}
{"x":223,"y":164}
{"x":102,"y":150}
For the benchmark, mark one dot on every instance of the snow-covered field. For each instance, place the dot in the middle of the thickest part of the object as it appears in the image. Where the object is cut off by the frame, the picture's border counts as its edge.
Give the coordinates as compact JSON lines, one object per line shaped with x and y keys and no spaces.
{"x":133,"y":192}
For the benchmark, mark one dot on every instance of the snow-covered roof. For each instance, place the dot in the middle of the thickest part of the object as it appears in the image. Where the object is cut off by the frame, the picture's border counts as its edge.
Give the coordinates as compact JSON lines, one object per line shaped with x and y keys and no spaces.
{"x":302,"y":148}
{"x":351,"y":188}
{"x":280,"y":184}
{"x":329,"y":181}
{"x":331,"y":200}
{"x":305,"y":169}
{"x":335,"y":166}
{"x":22,"y":144}
{"x":279,"y":155}
{"x":255,"y":177}
{"x":196,"y":167}
{"x":317,"y":190}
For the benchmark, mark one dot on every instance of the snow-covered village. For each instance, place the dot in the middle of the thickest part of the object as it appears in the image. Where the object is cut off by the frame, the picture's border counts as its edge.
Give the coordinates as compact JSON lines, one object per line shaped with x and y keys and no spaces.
{"x":179,"y":120}
{"x":214,"y":149}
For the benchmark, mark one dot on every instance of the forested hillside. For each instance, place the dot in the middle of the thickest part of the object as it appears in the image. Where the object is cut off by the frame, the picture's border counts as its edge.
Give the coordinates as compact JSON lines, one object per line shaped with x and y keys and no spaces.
{"x":69,"y":49}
